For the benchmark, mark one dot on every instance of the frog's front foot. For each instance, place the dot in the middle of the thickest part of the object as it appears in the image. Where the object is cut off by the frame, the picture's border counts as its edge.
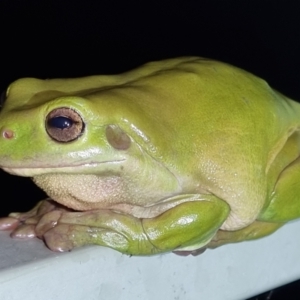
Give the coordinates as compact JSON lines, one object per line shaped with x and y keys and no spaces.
{"x":63,"y":229}
{"x":24,"y":225}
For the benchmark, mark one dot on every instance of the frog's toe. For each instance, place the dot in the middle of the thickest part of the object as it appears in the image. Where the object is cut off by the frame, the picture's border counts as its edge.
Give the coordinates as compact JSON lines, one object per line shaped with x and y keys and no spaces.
{"x":24,"y":231}
{"x":8,"y":223}
{"x":58,"y":239}
{"x":40,"y":209}
{"x":47,"y":222}
{"x":190,"y":252}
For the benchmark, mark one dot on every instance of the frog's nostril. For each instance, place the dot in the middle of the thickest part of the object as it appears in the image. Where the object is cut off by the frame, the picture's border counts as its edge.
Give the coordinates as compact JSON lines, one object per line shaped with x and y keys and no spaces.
{"x":7,"y":133}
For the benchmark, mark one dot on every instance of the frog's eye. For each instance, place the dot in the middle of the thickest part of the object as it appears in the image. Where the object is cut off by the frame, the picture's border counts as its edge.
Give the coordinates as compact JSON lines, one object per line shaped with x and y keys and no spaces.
{"x":64,"y":124}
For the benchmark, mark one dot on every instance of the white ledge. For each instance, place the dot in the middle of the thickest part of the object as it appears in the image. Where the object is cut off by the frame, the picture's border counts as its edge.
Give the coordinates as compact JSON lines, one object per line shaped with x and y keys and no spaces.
{"x":28,"y":271}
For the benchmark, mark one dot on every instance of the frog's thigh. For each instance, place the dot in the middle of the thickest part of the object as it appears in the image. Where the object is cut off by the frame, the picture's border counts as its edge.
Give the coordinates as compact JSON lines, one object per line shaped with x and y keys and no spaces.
{"x":254,"y":231}
{"x":285,"y":200}
{"x":190,"y":224}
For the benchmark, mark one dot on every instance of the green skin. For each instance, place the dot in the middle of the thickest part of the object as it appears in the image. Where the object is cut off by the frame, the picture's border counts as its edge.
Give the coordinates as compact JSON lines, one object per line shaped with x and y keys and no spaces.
{"x":177,"y":155}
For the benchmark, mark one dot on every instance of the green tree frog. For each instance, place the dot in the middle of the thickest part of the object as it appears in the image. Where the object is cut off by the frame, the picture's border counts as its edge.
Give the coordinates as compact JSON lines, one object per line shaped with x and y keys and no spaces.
{"x":177,"y":155}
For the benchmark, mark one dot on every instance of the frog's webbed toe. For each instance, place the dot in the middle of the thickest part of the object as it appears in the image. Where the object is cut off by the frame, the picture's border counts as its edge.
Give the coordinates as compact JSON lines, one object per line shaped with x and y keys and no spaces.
{"x":8,"y":223}
{"x":192,"y":252}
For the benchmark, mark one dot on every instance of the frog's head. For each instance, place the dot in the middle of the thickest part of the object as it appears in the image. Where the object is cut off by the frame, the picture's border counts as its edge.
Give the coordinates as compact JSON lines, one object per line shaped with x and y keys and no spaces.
{"x":45,"y":131}
{"x":62,"y":137}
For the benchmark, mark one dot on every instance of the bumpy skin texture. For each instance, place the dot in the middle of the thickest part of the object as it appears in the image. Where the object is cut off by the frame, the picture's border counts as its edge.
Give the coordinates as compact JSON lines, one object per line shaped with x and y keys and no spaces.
{"x":177,"y":155}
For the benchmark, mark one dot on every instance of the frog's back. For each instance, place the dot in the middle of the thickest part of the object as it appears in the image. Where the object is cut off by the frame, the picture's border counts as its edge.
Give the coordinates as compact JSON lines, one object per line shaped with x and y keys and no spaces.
{"x":223,"y":126}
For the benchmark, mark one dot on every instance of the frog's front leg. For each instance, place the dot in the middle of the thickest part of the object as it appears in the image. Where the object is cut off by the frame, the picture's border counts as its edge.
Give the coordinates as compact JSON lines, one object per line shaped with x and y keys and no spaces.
{"x":187,"y":226}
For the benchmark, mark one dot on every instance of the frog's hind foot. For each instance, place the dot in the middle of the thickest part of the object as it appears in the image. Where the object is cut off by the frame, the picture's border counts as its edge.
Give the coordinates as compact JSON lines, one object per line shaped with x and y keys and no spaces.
{"x":190,"y":252}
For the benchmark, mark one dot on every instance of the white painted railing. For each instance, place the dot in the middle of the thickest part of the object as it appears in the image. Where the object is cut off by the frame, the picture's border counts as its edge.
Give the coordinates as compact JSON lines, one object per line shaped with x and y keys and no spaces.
{"x":31,"y":271}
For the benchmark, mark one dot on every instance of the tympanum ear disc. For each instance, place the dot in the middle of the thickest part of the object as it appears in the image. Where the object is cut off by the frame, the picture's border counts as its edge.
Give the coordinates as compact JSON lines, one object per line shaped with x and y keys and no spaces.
{"x":117,"y":137}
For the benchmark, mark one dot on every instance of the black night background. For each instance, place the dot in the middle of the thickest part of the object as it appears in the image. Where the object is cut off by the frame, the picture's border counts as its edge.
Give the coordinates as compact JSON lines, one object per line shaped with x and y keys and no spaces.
{"x":58,"y":39}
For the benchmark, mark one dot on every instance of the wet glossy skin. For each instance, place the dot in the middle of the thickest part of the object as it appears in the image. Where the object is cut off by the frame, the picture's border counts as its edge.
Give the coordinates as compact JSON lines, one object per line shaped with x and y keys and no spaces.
{"x":181,"y":154}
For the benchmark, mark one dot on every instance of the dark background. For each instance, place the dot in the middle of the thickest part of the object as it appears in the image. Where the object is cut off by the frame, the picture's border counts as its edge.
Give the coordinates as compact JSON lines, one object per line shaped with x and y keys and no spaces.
{"x":48,"y":39}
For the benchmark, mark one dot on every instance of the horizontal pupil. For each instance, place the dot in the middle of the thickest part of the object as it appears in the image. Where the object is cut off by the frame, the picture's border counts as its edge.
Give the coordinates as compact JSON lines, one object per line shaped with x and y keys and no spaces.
{"x":60,"y":122}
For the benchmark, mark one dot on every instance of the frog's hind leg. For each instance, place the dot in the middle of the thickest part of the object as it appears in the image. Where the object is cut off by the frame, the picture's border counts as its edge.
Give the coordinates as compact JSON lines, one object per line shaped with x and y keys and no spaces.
{"x":284,"y":199}
{"x":284,"y":202}
{"x":256,"y":230}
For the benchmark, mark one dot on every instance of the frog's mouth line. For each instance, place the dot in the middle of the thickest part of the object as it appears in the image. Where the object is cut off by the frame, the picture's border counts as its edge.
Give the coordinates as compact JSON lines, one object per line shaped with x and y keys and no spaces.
{"x":68,"y":169}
